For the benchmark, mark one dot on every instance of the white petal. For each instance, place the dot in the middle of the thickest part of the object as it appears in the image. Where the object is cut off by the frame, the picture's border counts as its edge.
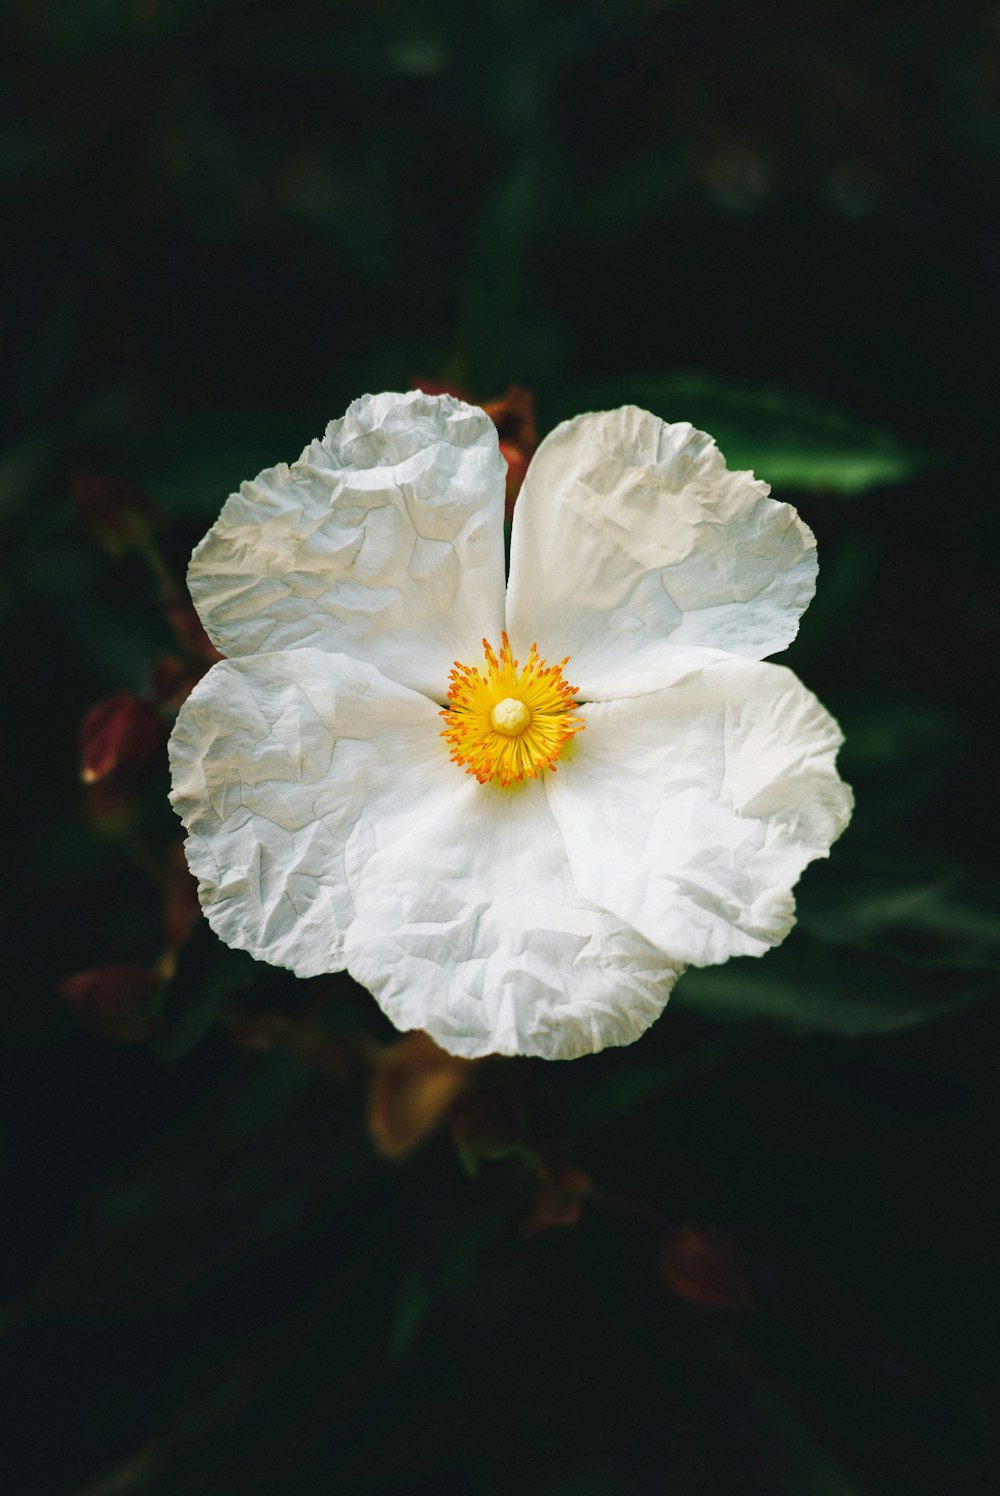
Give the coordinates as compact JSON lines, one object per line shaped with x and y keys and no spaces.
{"x":470,"y":927}
{"x":383,"y":541}
{"x":630,"y":536}
{"x":692,"y":811}
{"x":280,"y":765}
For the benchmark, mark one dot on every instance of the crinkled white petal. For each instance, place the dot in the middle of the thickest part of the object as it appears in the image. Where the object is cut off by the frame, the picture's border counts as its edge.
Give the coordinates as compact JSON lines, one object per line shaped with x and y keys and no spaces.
{"x":383,"y":541}
{"x":470,"y":926}
{"x":327,"y":826}
{"x":280,"y":766}
{"x":691,"y":812}
{"x":631,"y":536}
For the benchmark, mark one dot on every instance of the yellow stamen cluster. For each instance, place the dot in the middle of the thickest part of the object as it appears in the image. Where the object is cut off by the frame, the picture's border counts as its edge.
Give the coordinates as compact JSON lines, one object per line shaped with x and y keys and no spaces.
{"x":509,"y":724}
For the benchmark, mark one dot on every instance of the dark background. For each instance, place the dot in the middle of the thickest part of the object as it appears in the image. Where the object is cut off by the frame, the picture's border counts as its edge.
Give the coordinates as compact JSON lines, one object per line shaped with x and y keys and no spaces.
{"x":223,"y":221}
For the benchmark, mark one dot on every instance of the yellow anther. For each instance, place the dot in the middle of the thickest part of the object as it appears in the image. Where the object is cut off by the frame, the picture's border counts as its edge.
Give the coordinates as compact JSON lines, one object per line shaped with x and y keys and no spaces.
{"x":507,"y":723}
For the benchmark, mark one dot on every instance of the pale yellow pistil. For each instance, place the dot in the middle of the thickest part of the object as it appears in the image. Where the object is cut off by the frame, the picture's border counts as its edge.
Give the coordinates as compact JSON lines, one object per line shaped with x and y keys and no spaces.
{"x":509,"y":724}
{"x":510,"y":716}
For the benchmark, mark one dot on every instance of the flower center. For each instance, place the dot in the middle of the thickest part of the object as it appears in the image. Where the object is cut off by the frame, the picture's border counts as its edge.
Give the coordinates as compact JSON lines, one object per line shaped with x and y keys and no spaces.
{"x":509,"y":723}
{"x":510,"y":716}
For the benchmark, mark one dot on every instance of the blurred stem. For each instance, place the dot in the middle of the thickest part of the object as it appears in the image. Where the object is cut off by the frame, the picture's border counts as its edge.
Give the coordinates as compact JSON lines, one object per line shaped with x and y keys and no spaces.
{"x":533,"y":1159}
{"x":155,"y":560}
{"x":621,"y":1205}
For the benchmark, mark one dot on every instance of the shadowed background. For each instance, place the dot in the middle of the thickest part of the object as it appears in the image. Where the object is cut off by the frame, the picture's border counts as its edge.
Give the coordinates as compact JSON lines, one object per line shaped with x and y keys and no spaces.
{"x":222,"y":221}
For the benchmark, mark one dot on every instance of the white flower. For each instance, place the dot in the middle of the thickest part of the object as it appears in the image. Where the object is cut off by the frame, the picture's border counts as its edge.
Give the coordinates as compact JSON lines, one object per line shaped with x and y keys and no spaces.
{"x":531,"y":874}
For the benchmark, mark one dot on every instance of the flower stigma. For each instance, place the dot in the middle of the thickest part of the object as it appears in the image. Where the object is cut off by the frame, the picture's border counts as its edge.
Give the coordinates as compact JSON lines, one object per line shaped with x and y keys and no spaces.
{"x":510,"y":716}
{"x":509,"y":724}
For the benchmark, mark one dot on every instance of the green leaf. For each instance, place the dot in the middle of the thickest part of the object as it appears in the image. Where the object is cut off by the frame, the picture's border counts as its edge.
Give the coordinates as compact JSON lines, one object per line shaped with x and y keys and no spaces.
{"x":927,"y":915}
{"x":787,"y":439}
{"x":783,"y":1438}
{"x":622,"y":1092}
{"x":883,"y":942}
{"x":413,"y":1305}
{"x":897,"y":752}
{"x":809,"y":988}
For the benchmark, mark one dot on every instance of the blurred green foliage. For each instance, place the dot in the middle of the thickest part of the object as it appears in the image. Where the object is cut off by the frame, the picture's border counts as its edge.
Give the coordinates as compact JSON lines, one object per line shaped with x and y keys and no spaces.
{"x":798,"y":443}
{"x":222,"y":222}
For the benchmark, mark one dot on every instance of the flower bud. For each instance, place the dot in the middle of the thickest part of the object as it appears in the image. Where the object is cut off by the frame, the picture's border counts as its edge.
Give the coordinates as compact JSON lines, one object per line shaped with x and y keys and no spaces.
{"x":705,"y":1266}
{"x":517,"y":466}
{"x":189,"y":631}
{"x":412,"y":1085}
{"x":559,"y":1201}
{"x":514,"y":417}
{"x":122,"y":733}
{"x":119,"y":1000}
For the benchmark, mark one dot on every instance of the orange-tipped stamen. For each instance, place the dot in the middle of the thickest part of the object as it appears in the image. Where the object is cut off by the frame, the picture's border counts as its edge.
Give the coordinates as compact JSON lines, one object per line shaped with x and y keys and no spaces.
{"x":509,"y":724}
